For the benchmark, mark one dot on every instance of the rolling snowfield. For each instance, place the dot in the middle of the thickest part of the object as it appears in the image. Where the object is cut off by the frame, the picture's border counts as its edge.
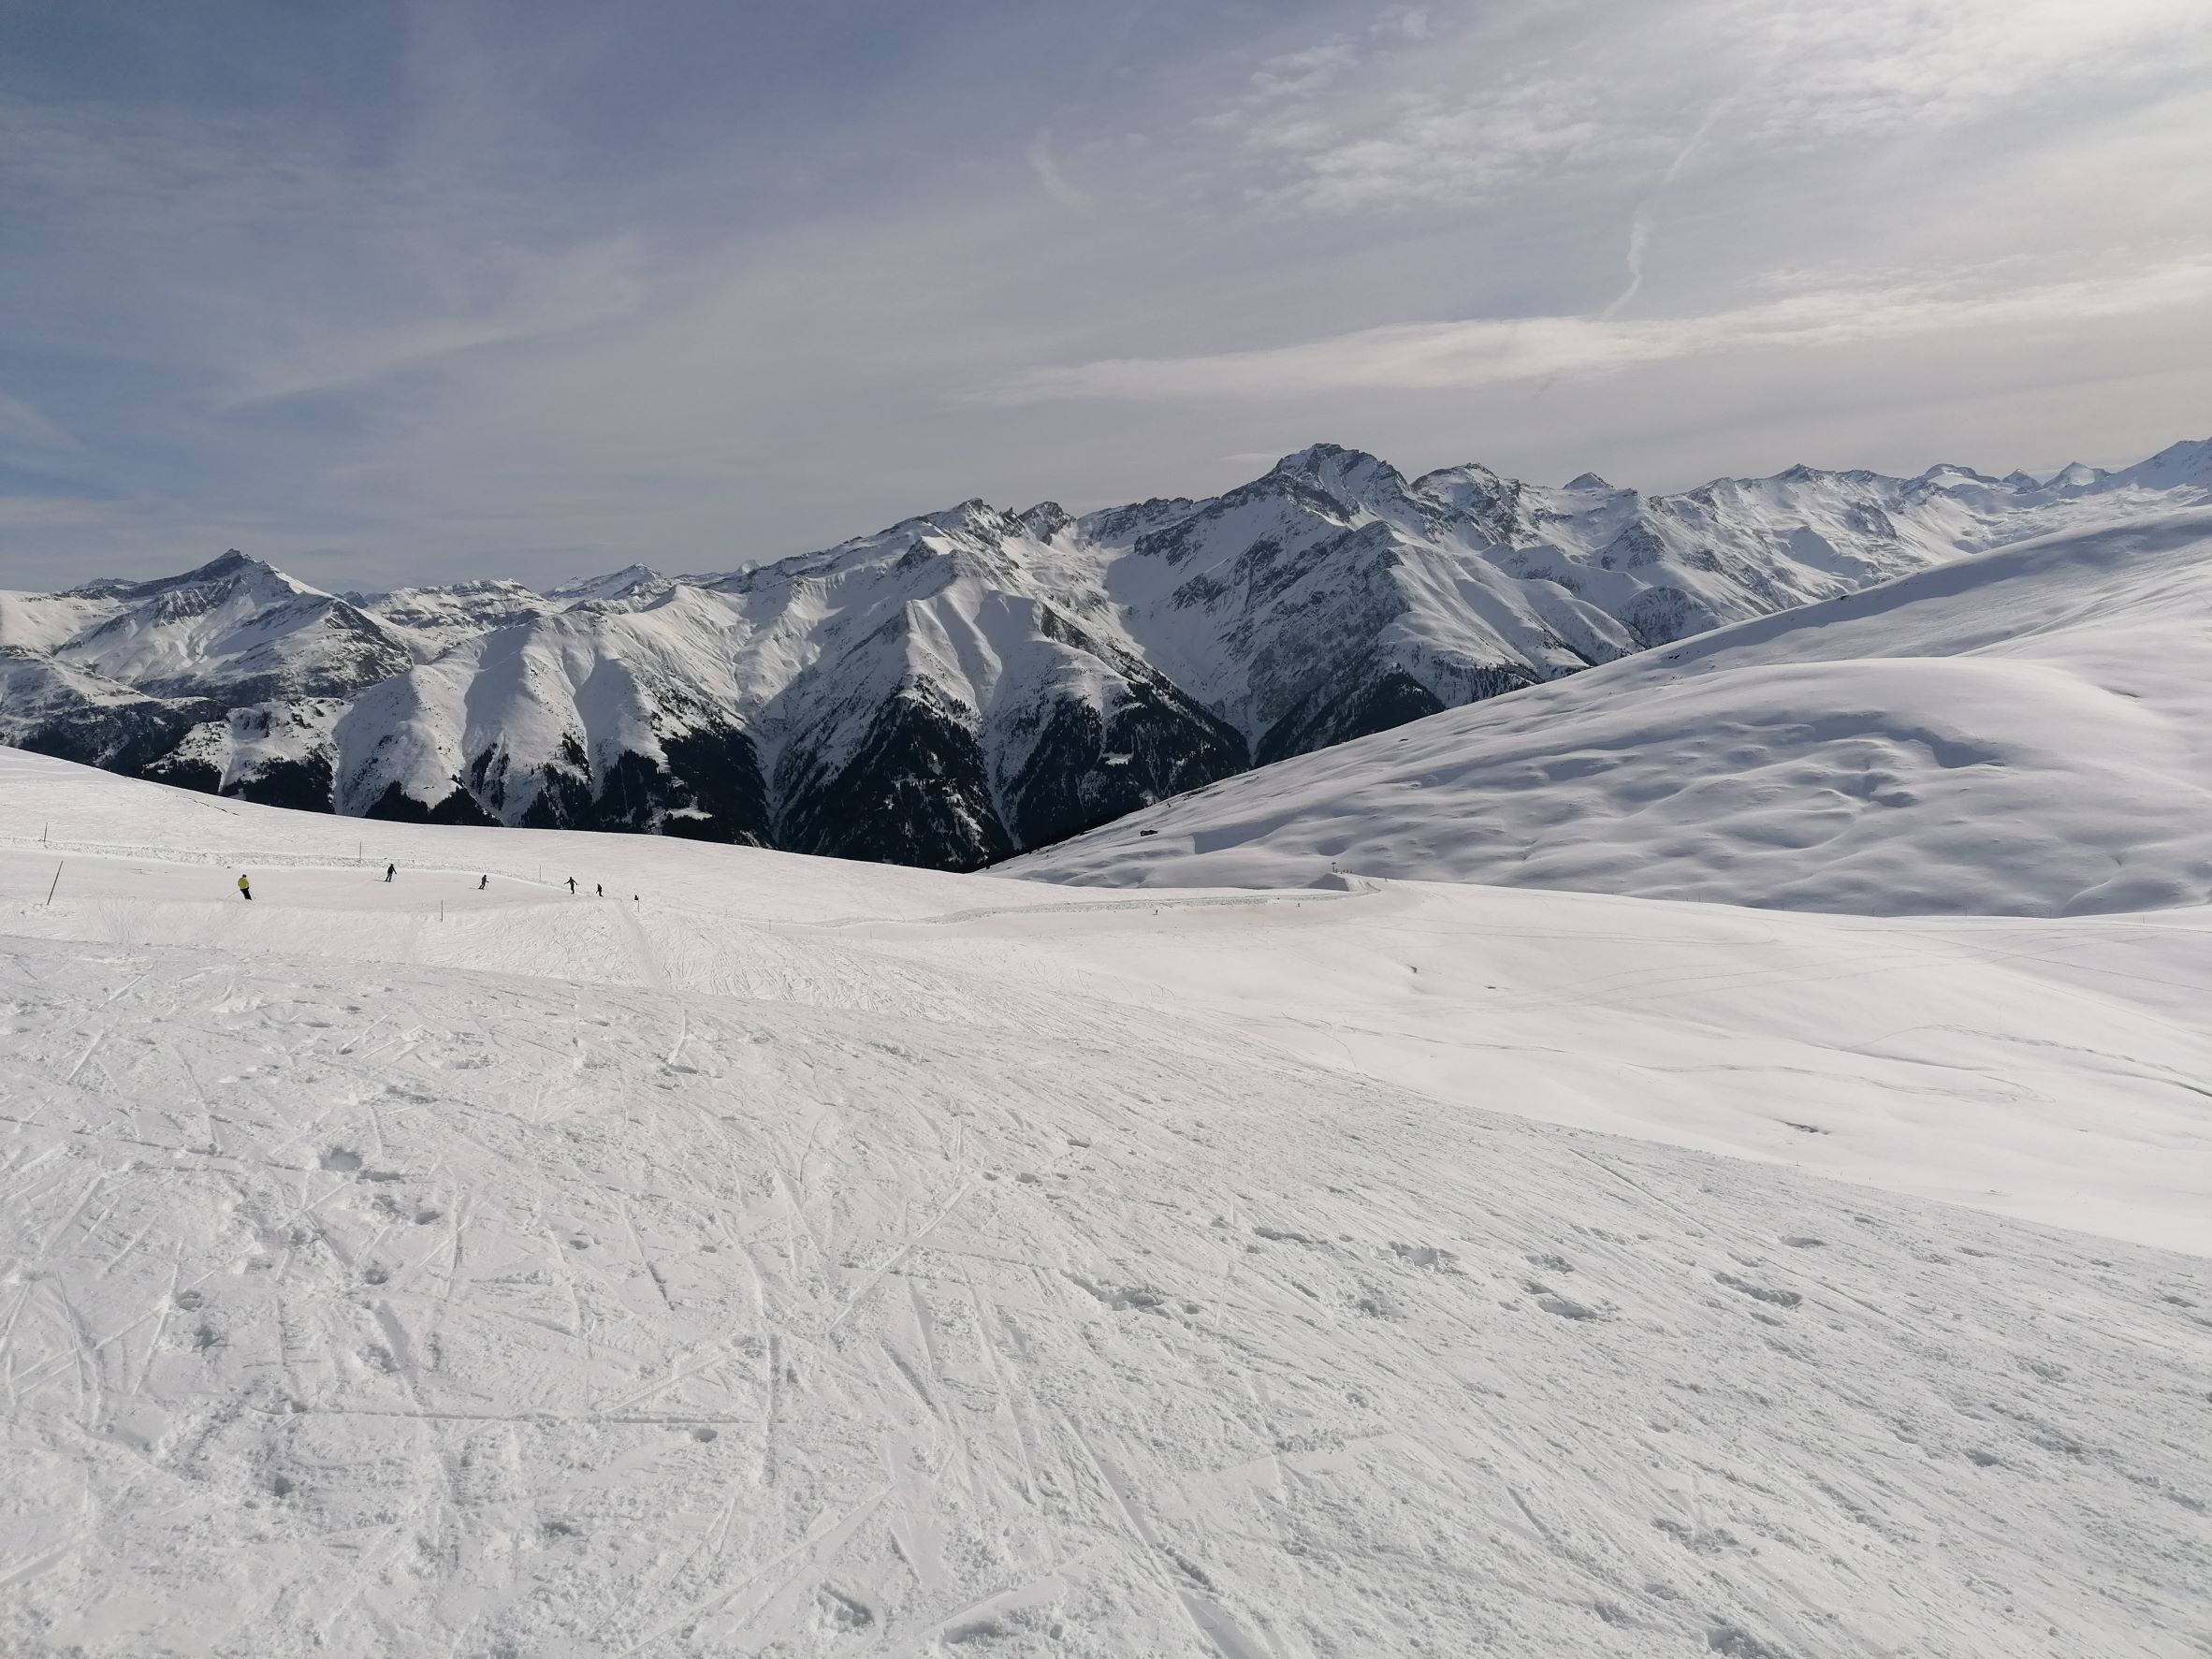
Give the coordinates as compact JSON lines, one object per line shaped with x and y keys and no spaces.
{"x":2020,"y":732}
{"x":812,"y":1258}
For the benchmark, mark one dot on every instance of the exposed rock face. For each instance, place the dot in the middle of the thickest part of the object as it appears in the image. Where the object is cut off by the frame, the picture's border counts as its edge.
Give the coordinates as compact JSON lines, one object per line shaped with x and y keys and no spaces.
{"x":971,"y":683}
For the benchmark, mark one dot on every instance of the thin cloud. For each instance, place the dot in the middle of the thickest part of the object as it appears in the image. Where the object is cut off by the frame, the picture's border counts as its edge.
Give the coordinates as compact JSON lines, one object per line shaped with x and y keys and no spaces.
{"x":1048,"y":172}
{"x":592,"y":283}
{"x":1430,"y":116}
{"x":24,"y":429}
{"x":1488,"y":352}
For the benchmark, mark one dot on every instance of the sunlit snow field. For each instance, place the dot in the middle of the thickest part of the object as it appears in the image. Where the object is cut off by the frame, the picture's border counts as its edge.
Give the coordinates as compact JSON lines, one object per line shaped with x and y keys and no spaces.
{"x":816,"y":1257}
{"x":2019,"y":733}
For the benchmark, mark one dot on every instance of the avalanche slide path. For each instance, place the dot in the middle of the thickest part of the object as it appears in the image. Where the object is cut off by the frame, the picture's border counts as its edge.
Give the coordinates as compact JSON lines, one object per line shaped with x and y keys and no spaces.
{"x":816,"y":1259}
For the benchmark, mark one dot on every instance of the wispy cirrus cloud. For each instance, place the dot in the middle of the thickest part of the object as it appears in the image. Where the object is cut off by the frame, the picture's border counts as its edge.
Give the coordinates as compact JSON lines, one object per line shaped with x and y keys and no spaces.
{"x":1434,"y":107}
{"x":541,"y":296}
{"x":1488,"y":352}
{"x":1047,"y":169}
{"x":25,"y":431}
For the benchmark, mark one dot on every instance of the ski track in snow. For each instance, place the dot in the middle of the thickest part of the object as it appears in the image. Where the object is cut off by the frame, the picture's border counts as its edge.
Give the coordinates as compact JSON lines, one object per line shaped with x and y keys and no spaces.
{"x":557,"y":1280}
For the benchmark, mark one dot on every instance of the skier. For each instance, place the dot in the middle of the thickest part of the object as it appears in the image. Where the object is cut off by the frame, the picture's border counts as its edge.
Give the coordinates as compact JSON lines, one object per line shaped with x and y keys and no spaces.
{"x":246,"y":889}
{"x":482,"y":882}
{"x":572,"y":887}
{"x":389,"y":871}
{"x":599,"y":888}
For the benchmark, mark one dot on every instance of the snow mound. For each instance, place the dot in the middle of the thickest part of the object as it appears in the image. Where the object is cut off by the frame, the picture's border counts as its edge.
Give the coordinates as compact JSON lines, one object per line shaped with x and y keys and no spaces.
{"x":2021,"y":733}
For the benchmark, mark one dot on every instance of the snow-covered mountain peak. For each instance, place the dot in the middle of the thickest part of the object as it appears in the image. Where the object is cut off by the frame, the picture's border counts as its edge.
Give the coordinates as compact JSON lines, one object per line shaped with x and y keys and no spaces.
{"x":1587,"y":483}
{"x":1321,"y":460}
{"x":633,"y":581}
{"x":2073,"y":475}
{"x":233,"y":570}
{"x":2189,"y":462}
{"x":1352,"y":477}
{"x":1950,"y":471}
{"x":1043,"y":522}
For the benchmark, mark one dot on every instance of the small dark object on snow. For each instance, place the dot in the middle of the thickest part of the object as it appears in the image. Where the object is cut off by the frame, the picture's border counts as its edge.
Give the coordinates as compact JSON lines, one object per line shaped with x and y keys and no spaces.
{"x":482,"y":882}
{"x":390,"y":870}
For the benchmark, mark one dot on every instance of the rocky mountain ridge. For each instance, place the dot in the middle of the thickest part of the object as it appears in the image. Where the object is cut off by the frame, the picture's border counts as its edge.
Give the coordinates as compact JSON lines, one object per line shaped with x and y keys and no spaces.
{"x":972,"y":683}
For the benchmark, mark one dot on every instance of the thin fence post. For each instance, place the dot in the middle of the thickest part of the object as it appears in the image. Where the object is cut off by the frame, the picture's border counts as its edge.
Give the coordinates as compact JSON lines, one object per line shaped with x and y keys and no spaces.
{"x":55,"y":882}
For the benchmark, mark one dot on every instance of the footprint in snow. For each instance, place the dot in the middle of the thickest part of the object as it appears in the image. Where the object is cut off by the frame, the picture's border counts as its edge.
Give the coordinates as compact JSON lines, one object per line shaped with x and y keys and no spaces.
{"x":1760,"y":1292}
{"x":1428,"y":1255}
{"x":1565,"y":1307}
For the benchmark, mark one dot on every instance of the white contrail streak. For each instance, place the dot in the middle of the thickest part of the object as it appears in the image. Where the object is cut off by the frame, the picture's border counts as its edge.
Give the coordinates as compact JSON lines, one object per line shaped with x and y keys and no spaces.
{"x":1640,"y":223}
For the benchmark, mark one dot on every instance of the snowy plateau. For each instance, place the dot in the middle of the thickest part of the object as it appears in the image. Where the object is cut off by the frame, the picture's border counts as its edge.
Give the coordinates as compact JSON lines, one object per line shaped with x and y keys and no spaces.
{"x":973,"y":684}
{"x":1708,"y":1154}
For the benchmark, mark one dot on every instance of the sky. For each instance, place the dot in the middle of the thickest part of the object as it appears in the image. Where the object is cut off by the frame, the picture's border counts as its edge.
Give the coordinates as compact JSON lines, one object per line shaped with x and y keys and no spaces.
{"x":387,"y":293}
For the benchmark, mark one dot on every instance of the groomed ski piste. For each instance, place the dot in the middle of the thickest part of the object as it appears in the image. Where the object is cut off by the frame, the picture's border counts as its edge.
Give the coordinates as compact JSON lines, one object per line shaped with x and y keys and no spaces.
{"x":820,"y":1259}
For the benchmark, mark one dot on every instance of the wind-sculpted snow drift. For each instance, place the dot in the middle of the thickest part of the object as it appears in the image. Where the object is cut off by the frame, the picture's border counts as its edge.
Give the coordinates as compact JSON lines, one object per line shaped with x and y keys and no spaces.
{"x":2026,"y":732}
{"x":824,"y":1259}
{"x":971,"y":683}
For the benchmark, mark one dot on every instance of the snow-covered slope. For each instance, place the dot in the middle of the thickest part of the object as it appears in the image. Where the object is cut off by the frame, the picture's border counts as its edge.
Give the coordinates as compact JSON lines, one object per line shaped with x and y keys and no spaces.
{"x":438,"y":619}
{"x":973,"y":682}
{"x":820,"y":1258}
{"x":2025,"y":731}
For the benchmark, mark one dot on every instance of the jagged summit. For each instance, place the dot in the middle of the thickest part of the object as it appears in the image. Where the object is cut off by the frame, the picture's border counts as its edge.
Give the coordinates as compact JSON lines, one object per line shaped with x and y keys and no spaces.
{"x":632,"y":581}
{"x":1335,"y":464}
{"x":230,"y":566}
{"x":1043,"y":522}
{"x":1316,"y":455}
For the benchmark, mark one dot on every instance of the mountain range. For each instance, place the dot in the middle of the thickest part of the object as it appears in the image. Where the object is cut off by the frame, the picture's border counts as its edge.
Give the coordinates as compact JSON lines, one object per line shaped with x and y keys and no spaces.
{"x":973,"y":683}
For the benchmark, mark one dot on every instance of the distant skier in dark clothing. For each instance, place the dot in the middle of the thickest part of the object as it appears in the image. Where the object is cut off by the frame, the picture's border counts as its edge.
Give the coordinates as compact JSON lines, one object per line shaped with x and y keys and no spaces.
{"x":482,"y":882}
{"x":390,"y":870}
{"x":572,"y":886}
{"x":245,"y":888}
{"x":599,"y":888}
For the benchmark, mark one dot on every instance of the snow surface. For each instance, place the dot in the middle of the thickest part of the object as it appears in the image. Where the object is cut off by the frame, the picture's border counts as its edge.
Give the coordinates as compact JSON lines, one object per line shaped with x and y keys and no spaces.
{"x":815,"y":1257}
{"x":2028,"y":732}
